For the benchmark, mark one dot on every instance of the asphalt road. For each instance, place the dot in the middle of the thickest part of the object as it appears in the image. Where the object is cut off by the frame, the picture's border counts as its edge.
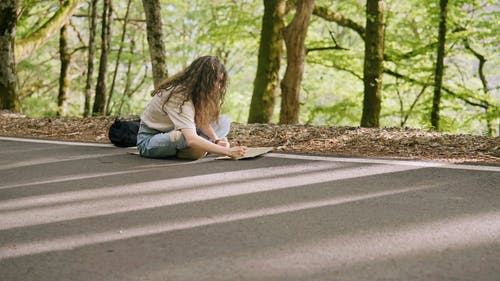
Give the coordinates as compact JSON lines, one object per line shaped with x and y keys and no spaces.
{"x":97,"y":212}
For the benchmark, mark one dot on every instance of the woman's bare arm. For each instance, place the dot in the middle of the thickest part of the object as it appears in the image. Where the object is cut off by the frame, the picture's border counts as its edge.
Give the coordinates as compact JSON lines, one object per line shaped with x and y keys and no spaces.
{"x":197,"y":142}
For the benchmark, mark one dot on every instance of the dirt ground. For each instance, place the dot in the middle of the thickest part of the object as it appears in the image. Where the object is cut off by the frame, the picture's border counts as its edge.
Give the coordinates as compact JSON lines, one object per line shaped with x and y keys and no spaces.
{"x":394,"y":143}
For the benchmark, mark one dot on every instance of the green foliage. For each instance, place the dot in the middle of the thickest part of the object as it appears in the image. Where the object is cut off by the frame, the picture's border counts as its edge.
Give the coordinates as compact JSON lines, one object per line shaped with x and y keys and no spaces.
{"x":342,"y":113}
{"x":332,"y":86}
{"x":40,"y":105}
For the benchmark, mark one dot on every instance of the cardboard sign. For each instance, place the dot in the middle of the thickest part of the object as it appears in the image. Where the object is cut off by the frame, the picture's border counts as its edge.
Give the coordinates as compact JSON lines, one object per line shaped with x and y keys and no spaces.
{"x":252,"y":152}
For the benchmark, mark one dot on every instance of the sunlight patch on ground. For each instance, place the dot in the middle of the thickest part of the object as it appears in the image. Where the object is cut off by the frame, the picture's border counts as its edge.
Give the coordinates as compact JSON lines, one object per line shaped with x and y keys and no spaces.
{"x":166,"y":185}
{"x":59,"y":179}
{"x":70,"y":242}
{"x":91,"y":203}
{"x":56,"y":159}
{"x":299,"y":260}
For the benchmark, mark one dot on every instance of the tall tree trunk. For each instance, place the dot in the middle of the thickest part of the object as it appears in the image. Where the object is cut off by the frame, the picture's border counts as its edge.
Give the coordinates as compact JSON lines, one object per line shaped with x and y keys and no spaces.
{"x":100,"y":90}
{"x":155,"y":39}
{"x":373,"y":65}
{"x":438,"y":77}
{"x":295,"y":36}
{"x":90,"y":58}
{"x":8,"y":85}
{"x":267,"y":77}
{"x":65,"y":58}
{"x":26,"y":46}
{"x":118,"y":56}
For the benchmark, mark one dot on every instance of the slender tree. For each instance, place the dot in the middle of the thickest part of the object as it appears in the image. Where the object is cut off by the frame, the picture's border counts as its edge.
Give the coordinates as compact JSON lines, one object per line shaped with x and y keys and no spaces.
{"x":268,"y":66}
{"x":65,"y":58}
{"x":90,"y":58}
{"x":118,"y":56}
{"x":101,"y":87}
{"x":373,"y":63}
{"x":8,"y":84}
{"x":480,"y":71}
{"x":438,"y":77}
{"x":128,"y":81}
{"x":295,"y":36}
{"x":155,"y":39}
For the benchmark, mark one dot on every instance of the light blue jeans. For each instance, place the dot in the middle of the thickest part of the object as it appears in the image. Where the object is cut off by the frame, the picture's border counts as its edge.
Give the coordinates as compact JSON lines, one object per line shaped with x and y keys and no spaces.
{"x":155,"y":144}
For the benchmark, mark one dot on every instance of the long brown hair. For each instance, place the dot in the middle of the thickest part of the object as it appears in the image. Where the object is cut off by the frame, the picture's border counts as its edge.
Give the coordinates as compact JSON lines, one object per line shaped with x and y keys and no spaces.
{"x":204,"y":83}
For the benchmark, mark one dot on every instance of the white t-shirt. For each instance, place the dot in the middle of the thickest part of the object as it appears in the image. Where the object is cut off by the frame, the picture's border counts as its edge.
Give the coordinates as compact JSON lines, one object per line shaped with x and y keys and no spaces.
{"x":169,"y":117}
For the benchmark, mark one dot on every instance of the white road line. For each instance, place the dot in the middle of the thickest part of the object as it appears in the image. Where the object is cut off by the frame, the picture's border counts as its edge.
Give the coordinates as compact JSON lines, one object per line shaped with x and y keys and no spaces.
{"x":306,"y":157}
{"x":423,"y":164}
{"x":57,"y":142}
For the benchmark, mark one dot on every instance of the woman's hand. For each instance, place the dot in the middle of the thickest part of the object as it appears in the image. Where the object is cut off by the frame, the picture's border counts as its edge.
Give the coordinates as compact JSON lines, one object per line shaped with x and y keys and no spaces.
{"x":221,"y":148}
{"x":237,"y":151}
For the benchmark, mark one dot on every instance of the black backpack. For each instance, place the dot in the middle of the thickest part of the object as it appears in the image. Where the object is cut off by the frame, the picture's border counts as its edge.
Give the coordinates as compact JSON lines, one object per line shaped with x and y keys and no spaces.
{"x":123,"y":133}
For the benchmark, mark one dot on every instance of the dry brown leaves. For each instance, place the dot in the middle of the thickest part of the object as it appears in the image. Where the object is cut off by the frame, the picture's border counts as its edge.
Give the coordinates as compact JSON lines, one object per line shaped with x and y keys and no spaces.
{"x":367,"y":142}
{"x":341,"y":141}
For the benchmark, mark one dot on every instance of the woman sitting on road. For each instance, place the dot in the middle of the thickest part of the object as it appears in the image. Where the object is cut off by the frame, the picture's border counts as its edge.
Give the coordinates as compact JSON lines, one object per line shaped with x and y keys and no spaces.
{"x":183,"y":120}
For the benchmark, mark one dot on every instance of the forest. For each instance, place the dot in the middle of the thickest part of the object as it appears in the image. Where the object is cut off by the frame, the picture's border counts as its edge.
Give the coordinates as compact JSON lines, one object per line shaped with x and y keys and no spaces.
{"x":428,"y":64}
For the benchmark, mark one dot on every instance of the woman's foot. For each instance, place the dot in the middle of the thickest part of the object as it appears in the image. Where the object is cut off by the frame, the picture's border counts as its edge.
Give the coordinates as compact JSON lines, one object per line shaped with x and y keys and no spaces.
{"x":190,"y":154}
